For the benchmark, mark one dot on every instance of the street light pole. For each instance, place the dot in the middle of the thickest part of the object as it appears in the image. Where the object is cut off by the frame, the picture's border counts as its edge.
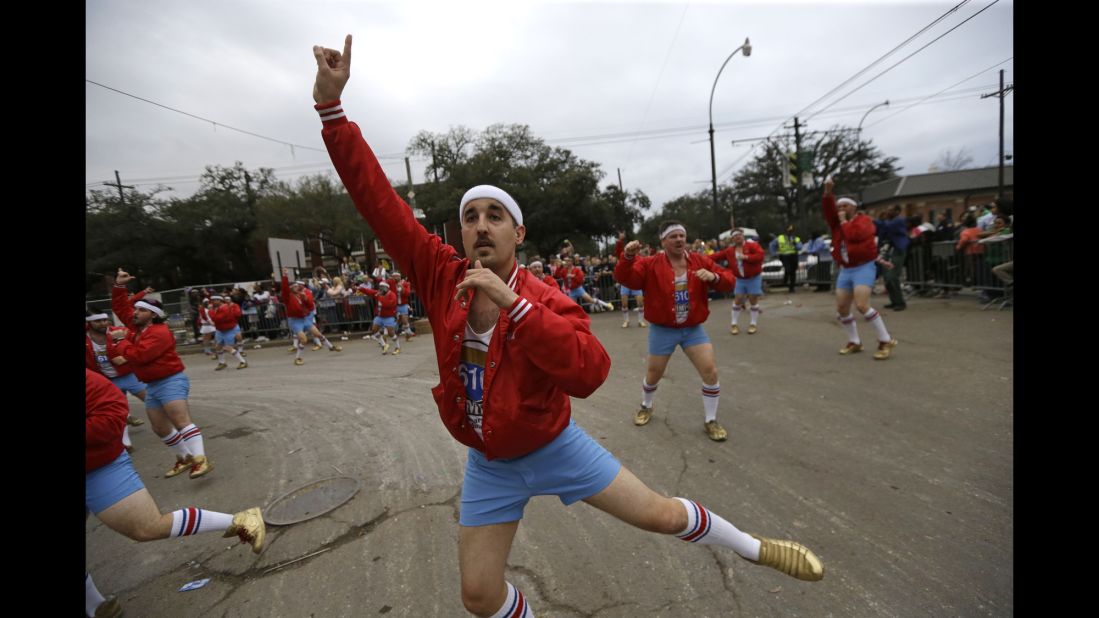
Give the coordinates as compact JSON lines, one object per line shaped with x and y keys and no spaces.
{"x":747,"y":47}
{"x":858,"y":141}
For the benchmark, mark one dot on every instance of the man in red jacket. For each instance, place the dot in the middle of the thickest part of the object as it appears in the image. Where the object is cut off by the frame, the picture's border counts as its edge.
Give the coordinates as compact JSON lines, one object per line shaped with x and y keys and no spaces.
{"x":96,"y":328}
{"x":677,"y":284}
{"x":745,"y":259}
{"x":854,"y":249}
{"x":114,"y":491}
{"x":403,"y":289}
{"x":225,"y":314}
{"x":151,"y":349}
{"x":385,"y":316}
{"x":510,"y":352}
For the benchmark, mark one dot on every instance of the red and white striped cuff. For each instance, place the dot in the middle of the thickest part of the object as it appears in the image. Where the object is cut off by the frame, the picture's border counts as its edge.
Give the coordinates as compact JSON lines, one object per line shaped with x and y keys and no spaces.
{"x":330,"y":111}
{"x":519,"y":309}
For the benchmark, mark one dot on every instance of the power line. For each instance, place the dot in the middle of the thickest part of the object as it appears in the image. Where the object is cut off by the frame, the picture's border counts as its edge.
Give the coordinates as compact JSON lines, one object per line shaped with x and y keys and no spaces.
{"x":671,"y":46}
{"x":906,"y":58}
{"x":938,"y":93}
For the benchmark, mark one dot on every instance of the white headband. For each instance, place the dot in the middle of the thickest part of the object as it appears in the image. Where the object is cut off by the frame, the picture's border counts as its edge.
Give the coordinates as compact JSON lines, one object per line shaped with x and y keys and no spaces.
{"x":153,"y":308}
{"x":847,"y":200}
{"x":535,"y":263}
{"x":217,"y":297}
{"x":674,"y":228}
{"x":98,"y":316}
{"x":495,"y":193}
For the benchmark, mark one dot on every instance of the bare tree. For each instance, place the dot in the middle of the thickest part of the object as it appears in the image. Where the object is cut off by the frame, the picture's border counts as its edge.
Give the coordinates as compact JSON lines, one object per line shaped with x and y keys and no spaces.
{"x":949,"y":161}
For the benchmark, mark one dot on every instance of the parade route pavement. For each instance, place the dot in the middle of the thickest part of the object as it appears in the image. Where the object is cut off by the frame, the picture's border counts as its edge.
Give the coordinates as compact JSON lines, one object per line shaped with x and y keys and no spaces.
{"x":898,"y":474}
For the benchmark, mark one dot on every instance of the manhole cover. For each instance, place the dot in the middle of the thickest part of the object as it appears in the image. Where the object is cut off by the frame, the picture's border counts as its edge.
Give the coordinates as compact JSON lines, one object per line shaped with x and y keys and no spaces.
{"x":313,"y":499}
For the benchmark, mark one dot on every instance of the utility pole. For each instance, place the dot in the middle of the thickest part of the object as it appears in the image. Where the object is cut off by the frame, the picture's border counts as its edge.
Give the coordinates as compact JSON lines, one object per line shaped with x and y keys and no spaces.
{"x":434,"y":165}
{"x":122,"y":198}
{"x":1000,"y":93}
{"x":794,"y":210}
{"x":620,"y":180}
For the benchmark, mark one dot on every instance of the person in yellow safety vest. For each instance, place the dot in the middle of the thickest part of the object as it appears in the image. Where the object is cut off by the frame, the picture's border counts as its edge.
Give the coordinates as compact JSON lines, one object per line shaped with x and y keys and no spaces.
{"x":787,"y":246}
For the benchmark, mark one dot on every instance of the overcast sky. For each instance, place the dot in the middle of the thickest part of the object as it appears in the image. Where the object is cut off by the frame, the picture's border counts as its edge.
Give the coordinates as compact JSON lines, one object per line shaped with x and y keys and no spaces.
{"x":608,"y":80}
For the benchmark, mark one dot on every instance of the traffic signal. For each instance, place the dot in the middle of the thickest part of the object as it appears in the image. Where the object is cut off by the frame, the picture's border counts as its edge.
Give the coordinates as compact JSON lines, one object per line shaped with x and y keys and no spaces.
{"x":790,"y":177}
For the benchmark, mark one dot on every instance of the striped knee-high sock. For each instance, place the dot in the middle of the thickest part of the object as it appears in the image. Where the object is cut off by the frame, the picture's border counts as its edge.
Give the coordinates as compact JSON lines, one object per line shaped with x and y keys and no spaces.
{"x":515,"y":605}
{"x":711,"y":394}
{"x":736,"y":312}
{"x":193,"y":438}
{"x":174,"y":441}
{"x":849,"y":326}
{"x":708,"y":529}
{"x":648,"y":391}
{"x":298,"y":347}
{"x":191,"y":520}
{"x":875,"y":320}
{"x":755,"y":314}
{"x":126,"y":437}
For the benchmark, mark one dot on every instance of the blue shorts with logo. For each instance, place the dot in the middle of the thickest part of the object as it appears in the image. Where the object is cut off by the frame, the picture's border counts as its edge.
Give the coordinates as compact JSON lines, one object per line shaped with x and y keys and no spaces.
{"x":572,"y":467}
{"x":402,"y":309}
{"x":297,"y":325}
{"x":311,"y":319}
{"x":662,"y":340}
{"x":129,"y":384}
{"x":859,"y":275}
{"x":625,"y":291}
{"x":166,"y":390}
{"x":578,"y":293}
{"x":227,"y":337}
{"x":753,"y":286}
{"x":390,"y":322}
{"x":104,"y":487}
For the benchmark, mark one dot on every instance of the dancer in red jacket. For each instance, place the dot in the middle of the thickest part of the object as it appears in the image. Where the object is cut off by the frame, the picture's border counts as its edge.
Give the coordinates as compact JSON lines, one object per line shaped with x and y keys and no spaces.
{"x":677,"y":284}
{"x":151,"y":349}
{"x":745,"y":259}
{"x":511,"y":352}
{"x":114,"y":491}
{"x":855,"y":250}
{"x":225,"y":314}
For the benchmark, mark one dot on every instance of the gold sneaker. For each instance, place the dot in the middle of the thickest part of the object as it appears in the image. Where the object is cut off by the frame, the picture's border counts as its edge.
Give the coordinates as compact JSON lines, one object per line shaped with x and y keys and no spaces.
{"x":385,"y":348}
{"x":642,"y":323}
{"x":249,"y":527}
{"x":220,"y":367}
{"x":109,"y":608}
{"x":789,"y":557}
{"x":643,"y":416}
{"x":181,"y":466}
{"x":716,"y":432}
{"x":397,"y":352}
{"x":201,"y":466}
{"x":851,"y":348}
{"x":752,"y":329}
{"x":299,"y":361}
{"x":293,"y":349}
{"x":316,"y":347}
{"x":243,"y":365}
{"x":134,"y":422}
{"x":626,"y":324}
{"x":734,"y":329}
{"x":884,"y":348}
{"x":335,"y":348}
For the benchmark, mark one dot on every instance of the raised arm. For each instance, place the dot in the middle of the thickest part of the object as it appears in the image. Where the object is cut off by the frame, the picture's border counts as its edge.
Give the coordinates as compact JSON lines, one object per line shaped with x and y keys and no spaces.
{"x":120,"y":297}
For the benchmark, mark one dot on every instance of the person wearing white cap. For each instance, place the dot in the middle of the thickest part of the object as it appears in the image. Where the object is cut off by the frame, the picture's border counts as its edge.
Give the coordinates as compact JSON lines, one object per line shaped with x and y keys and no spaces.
{"x":150,"y":348}
{"x":511,"y":352}
{"x":855,"y":251}
{"x":385,"y":317}
{"x":96,"y":329}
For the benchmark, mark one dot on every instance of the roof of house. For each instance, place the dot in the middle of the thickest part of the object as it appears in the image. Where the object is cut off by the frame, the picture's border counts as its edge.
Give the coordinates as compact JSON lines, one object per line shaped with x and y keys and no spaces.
{"x":937,"y":183}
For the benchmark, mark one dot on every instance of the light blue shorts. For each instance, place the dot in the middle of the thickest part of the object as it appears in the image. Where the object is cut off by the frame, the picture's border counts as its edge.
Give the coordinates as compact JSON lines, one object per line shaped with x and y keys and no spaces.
{"x":227,"y":337}
{"x":662,"y":340}
{"x":578,"y":293}
{"x":625,"y":291}
{"x":129,"y":384}
{"x":297,"y":325}
{"x":104,"y":487}
{"x":753,"y":286}
{"x":572,"y":467}
{"x":859,"y":275}
{"x":402,"y":309}
{"x":172,"y":388}
{"x":385,"y":322}
{"x":311,"y":319}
